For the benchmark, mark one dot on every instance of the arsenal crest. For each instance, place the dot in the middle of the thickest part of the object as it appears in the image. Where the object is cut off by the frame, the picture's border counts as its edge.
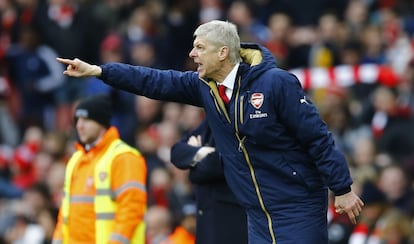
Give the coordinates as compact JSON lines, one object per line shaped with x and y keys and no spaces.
{"x":257,"y":100}
{"x":102,"y":176}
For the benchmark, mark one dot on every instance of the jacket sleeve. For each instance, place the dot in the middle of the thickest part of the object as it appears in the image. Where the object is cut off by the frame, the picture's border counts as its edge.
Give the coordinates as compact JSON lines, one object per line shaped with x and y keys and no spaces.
{"x":206,"y":170}
{"x":129,"y":174}
{"x":182,"y":154}
{"x":57,"y":234}
{"x":166,"y":85}
{"x":209,"y":169}
{"x":302,"y":119}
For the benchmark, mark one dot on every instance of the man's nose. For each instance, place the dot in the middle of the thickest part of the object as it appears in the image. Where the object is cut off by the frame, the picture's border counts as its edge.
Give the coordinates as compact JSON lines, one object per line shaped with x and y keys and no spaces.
{"x":192,"y":53}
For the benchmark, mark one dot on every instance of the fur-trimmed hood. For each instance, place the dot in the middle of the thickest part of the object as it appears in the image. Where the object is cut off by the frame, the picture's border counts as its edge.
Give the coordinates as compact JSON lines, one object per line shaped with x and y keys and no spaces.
{"x":256,"y":59}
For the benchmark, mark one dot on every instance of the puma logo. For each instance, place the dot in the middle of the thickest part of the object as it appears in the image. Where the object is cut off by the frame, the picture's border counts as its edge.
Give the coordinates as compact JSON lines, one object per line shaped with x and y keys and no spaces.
{"x":303,"y":100}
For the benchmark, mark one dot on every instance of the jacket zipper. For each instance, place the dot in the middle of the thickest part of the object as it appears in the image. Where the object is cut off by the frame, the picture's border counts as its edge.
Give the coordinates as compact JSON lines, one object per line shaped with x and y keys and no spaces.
{"x":243,"y":149}
{"x":241,"y":109}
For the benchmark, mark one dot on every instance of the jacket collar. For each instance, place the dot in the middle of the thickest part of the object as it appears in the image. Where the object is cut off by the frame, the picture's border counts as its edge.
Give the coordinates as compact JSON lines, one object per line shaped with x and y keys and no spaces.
{"x":110,"y":135}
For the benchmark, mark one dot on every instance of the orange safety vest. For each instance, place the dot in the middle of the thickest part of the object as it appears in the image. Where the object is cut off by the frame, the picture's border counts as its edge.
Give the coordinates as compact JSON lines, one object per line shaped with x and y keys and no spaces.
{"x":104,"y":204}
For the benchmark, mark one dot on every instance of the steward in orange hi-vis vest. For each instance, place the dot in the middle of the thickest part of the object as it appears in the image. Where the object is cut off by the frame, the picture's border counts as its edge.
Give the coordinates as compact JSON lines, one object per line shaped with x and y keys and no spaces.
{"x":104,"y":190}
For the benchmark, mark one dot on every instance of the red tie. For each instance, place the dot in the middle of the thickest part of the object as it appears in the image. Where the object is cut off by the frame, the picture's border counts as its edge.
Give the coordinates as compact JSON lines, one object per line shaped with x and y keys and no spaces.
{"x":222,"y":92}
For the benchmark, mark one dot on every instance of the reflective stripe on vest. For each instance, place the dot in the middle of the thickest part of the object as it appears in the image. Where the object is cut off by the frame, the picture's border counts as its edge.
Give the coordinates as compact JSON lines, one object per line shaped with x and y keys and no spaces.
{"x":66,"y":191}
{"x":104,"y":204}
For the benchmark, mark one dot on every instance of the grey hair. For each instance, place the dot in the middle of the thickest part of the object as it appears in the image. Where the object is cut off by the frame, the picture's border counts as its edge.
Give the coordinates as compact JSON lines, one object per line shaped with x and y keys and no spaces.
{"x":221,"y":33}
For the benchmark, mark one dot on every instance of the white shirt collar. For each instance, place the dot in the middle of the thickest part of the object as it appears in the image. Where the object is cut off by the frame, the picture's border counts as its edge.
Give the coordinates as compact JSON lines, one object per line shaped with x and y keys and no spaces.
{"x":229,"y":81}
{"x":231,"y":78}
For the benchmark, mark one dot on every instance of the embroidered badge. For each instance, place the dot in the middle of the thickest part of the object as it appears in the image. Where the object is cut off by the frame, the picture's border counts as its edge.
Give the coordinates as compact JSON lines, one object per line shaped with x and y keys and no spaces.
{"x":102,"y":176}
{"x":256,"y":100}
{"x":89,"y":182}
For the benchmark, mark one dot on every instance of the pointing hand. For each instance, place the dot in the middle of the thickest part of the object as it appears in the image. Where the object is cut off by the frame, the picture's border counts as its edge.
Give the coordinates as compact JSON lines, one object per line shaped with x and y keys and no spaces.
{"x":78,"y":68}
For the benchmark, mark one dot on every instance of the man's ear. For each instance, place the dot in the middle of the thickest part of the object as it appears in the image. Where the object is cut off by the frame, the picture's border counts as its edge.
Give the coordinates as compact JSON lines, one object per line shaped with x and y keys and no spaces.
{"x":223,"y":53}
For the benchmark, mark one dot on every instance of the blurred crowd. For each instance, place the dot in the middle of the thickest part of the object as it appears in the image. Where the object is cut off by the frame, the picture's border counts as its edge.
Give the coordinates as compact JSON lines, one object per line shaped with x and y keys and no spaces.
{"x":356,"y":56}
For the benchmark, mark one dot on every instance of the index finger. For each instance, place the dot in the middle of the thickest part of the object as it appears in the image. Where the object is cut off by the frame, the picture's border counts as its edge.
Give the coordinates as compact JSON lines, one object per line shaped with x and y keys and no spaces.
{"x":352,"y":217}
{"x":66,"y":61}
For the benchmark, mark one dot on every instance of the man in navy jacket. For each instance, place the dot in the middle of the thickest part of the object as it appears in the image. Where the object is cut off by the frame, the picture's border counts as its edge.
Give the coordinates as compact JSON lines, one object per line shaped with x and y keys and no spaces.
{"x":279,"y":158}
{"x":220,"y":219}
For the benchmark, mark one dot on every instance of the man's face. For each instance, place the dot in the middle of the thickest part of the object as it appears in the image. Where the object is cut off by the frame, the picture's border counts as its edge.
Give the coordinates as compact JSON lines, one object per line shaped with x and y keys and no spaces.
{"x":88,"y":130}
{"x":207,"y":57}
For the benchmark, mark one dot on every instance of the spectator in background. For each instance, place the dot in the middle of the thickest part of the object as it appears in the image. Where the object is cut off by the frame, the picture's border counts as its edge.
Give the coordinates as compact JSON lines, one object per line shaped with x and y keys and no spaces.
{"x":6,"y":155}
{"x":9,"y":129}
{"x":250,"y":29}
{"x":381,"y":221}
{"x":112,"y":49}
{"x":36,"y":77}
{"x":394,"y":182}
{"x":190,"y":118}
{"x":405,"y":87}
{"x":168,"y":133}
{"x":372,"y":45}
{"x":148,"y":111}
{"x":368,"y":230}
{"x":159,"y":187}
{"x":55,"y":180}
{"x":325,"y":50}
{"x":42,"y":163}
{"x":141,"y":38}
{"x":333,"y":103}
{"x":351,"y":52}
{"x":25,"y":231}
{"x":159,"y":224}
{"x":172,"y":112}
{"x":70,"y":28}
{"x":7,"y":189}
{"x":141,"y":26}
{"x":307,"y":13}
{"x":180,"y":18}
{"x":181,"y":191}
{"x":147,"y":141}
{"x":300,"y":43}
{"x":25,"y":226}
{"x":164,"y":191}
{"x":143,"y":52}
{"x":355,"y":17}
{"x":47,"y":220}
{"x":184,"y":233}
{"x":218,"y":215}
{"x":396,"y":228}
{"x":105,"y":179}
{"x":210,"y":9}
{"x":397,"y":42}
{"x":363,"y":153}
{"x":280,"y":28}
{"x":22,"y":166}
{"x":390,"y":123}
{"x":55,"y":144}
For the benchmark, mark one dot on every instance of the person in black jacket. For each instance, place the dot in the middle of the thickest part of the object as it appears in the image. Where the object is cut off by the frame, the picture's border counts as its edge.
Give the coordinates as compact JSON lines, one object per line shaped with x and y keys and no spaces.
{"x":220,"y":219}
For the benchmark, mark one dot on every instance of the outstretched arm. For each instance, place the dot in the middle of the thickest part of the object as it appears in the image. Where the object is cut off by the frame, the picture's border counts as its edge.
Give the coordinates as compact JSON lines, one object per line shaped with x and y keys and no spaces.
{"x":166,"y":85}
{"x":78,"y":68}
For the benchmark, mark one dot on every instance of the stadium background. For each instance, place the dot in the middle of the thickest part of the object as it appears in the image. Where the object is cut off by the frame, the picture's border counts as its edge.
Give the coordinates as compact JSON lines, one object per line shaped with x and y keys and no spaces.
{"x":354,"y":58}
